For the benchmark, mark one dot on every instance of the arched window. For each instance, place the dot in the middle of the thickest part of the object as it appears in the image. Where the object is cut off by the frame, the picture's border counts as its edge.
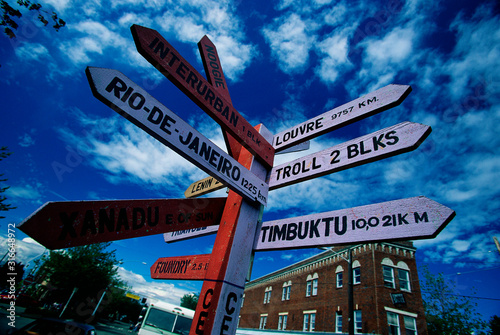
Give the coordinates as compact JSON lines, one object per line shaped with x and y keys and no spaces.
{"x":339,"y":272}
{"x":287,"y":287}
{"x":389,"y":273}
{"x":267,"y":294}
{"x":356,"y":272}
{"x":312,"y":285}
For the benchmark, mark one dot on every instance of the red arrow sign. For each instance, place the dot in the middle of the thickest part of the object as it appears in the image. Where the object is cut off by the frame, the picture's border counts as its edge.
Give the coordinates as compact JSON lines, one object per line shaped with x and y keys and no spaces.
{"x":183,"y":267}
{"x":58,"y":225}
{"x":412,"y":218}
{"x":404,"y":137}
{"x":363,"y":107}
{"x":164,"y":57}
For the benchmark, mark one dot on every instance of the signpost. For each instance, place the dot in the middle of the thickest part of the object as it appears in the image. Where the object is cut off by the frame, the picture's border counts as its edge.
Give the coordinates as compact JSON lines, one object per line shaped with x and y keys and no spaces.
{"x":237,"y":219}
{"x":363,"y":107}
{"x":164,"y":57}
{"x":204,"y":186}
{"x":131,"y":101}
{"x":58,"y":225}
{"x":404,"y":137}
{"x":183,"y":267}
{"x":412,"y":218}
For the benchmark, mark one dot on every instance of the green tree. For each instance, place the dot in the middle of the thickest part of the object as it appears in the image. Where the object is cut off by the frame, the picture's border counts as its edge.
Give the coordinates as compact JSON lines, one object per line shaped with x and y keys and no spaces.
{"x":11,"y":17}
{"x":447,"y":312}
{"x":494,"y":325}
{"x":90,"y":269}
{"x":189,"y":301}
{"x":4,"y":206}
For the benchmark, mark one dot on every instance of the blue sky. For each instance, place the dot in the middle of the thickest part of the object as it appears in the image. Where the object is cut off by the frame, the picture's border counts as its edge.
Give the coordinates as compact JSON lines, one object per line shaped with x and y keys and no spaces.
{"x":285,"y":62}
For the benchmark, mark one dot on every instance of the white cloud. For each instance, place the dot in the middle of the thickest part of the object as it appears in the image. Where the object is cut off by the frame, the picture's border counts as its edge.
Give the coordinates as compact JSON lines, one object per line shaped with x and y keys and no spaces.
{"x":290,"y":42}
{"x":32,"y":51}
{"x":156,"y":290}
{"x":335,"y":60}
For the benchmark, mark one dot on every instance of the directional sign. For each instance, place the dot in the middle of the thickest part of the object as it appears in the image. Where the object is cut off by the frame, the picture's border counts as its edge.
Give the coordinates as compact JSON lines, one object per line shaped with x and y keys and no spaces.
{"x":204,"y":186}
{"x":181,"y":267}
{"x":412,"y":218}
{"x":131,"y":101}
{"x":186,"y":234}
{"x":58,"y":225}
{"x":164,"y":57}
{"x":215,"y":76}
{"x":404,"y":137}
{"x":365,"y":106}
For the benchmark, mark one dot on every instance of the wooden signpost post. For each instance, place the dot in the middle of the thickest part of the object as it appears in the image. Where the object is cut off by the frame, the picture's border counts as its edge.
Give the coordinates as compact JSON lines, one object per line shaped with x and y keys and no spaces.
{"x":248,"y":172}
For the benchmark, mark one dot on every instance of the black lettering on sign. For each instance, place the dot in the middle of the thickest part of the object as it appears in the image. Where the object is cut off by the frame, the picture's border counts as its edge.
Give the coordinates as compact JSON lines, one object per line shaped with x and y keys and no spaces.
{"x":300,"y":130}
{"x":231,"y":297}
{"x":200,"y":324}
{"x":105,"y":220}
{"x":297,"y":169}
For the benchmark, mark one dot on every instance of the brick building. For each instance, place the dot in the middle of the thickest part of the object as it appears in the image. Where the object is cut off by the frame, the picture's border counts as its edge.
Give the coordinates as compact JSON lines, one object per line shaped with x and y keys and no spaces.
{"x":312,"y":295}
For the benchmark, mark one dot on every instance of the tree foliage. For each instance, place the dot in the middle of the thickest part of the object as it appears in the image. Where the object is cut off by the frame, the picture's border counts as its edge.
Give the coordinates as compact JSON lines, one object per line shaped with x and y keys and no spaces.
{"x":4,"y":206}
{"x":11,"y":17}
{"x":189,"y":301}
{"x":89,"y":268}
{"x":445,"y":311}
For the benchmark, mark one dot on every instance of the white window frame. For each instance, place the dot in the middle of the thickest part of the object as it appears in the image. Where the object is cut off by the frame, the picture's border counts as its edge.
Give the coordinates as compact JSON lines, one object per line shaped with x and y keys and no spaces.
{"x":282,"y":320}
{"x":267,"y":295}
{"x":356,"y":275}
{"x":413,"y":324}
{"x":309,"y":322}
{"x":358,"y":321}
{"x":285,"y":293}
{"x":340,"y":279}
{"x":312,"y":285}
{"x":392,"y":282}
{"x":338,"y":322}
{"x":396,"y":325}
{"x":404,"y":280}
{"x":263,"y":321}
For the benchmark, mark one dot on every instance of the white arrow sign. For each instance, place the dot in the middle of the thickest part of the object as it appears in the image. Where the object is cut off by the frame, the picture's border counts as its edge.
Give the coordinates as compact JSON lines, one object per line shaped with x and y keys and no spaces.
{"x":131,"y":101}
{"x":412,"y":218}
{"x":363,"y":107}
{"x":384,"y":143}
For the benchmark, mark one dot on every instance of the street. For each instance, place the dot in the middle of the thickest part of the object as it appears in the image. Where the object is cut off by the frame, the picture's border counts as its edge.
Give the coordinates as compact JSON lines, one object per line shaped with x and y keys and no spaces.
{"x":103,"y":328}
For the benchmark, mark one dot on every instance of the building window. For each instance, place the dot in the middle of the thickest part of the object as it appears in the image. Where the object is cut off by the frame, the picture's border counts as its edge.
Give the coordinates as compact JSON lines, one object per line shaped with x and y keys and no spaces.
{"x":309,"y":321}
{"x":388,"y":276}
{"x":393,"y":322}
{"x":356,"y":273}
{"x":263,"y":321}
{"x":410,"y":325}
{"x":267,"y":294}
{"x":358,"y":324}
{"x":312,"y":285}
{"x":340,"y":276}
{"x":338,"y":322}
{"x":404,"y":280}
{"x":287,"y":286}
{"x":282,"y":320}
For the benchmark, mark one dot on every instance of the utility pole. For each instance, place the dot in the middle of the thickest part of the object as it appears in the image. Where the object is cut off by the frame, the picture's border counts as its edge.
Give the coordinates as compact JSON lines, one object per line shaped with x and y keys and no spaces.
{"x":351,"y":295}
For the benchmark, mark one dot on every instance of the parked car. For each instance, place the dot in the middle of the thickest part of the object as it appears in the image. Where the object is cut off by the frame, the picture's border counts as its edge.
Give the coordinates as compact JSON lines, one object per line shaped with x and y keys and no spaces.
{"x":49,"y":326}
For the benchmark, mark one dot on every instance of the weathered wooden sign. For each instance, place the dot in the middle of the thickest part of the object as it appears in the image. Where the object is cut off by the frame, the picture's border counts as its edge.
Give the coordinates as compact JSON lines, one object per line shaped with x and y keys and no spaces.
{"x":202,"y":187}
{"x":363,"y":107}
{"x":131,"y":101}
{"x":404,"y":137}
{"x":186,"y":234}
{"x":181,"y":267}
{"x":152,"y":46}
{"x":220,"y":298}
{"x":412,"y":218}
{"x":58,"y":225}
